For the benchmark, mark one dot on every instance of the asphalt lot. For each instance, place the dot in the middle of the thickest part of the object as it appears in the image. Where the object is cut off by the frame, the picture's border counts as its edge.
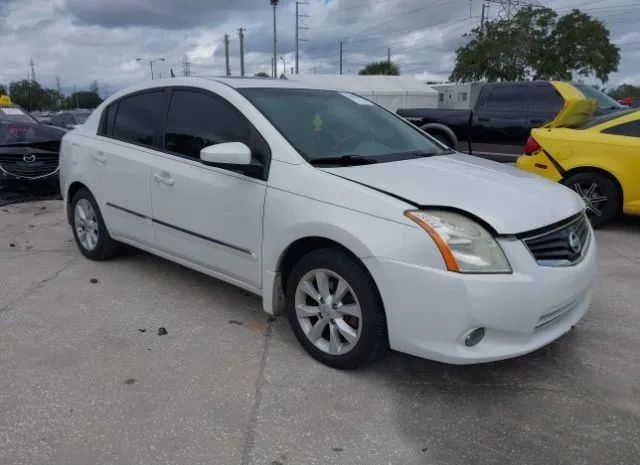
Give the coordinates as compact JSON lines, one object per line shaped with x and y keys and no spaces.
{"x":82,"y":383}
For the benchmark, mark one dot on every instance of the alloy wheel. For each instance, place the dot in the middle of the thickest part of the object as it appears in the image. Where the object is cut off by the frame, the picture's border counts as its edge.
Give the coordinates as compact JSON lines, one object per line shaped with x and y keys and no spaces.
{"x":592,"y":196}
{"x":328,"y":311}
{"x":86,"y":224}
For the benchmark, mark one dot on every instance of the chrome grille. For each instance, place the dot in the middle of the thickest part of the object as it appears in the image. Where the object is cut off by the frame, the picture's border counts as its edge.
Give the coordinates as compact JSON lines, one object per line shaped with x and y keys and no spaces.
{"x":15,"y":165}
{"x":560,"y":245}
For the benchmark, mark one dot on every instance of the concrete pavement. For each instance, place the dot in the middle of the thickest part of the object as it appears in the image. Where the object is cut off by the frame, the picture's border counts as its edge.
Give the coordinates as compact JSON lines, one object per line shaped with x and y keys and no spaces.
{"x":86,"y":379}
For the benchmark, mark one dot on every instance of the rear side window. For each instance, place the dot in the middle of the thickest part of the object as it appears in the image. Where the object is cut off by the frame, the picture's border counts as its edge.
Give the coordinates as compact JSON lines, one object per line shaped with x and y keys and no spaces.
{"x":197,"y":120}
{"x":138,"y":118}
{"x":545,"y":99}
{"x":507,"y":98}
{"x":630,"y":129}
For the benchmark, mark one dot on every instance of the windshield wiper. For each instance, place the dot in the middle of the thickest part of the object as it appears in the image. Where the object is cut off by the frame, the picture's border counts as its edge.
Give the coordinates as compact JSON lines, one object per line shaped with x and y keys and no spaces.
{"x":344,"y":160}
{"x":420,"y":154}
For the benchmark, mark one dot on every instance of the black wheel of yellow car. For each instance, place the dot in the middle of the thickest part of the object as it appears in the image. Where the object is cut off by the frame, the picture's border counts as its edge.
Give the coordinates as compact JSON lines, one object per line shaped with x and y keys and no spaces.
{"x":600,"y":195}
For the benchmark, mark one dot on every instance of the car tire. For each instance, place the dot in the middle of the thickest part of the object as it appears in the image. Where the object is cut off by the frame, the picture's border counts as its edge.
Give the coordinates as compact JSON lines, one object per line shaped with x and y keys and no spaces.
{"x":88,"y":227}
{"x":599,"y":193}
{"x":442,"y":139}
{"x":340,"y":321}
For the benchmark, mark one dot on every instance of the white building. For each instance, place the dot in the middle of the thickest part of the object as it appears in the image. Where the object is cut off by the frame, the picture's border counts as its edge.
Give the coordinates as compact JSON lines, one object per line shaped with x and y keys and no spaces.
{"x":457,"y":96}
{"x":391,"y":92}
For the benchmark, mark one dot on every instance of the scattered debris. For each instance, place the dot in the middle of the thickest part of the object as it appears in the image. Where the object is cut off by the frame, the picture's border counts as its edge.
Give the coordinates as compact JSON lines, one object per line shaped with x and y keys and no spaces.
{"x":43,"y":208}
{"x":130,"y":381}
{"x":338,"y":449}
{"x":11,"y":244}
{"x":142,"y":330}
{"x":32,"y":225}
{"x":277,"y":462}
{"x":162,"y":331}
{"x":271,"y":319}
{"x":93,"y":280}
{"x":235,"y":322}
{"x":5,"y":210}
{"x":424,"y":449}
{"x":29,"y":247}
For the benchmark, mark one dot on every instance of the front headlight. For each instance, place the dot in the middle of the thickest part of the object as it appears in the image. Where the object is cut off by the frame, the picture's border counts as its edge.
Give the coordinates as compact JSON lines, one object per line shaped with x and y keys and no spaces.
{"x":465,"y":246}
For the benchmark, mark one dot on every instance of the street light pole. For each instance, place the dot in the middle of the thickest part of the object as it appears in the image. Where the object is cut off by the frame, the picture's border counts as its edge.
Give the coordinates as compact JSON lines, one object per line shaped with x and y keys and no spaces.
{"x":150,"y":63}
{"x":284,"y":65}
{"x":275,"y":47}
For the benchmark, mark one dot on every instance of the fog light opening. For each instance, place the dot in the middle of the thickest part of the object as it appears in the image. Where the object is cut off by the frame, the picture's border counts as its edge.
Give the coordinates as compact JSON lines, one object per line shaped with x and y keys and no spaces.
{"x":474,"y":337}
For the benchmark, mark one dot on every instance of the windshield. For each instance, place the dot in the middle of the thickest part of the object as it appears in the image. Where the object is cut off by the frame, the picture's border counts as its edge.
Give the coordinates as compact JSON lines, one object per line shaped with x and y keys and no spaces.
{"x":16,"y":114}
{"x":604,"y":101}
{"x":323,"y":124}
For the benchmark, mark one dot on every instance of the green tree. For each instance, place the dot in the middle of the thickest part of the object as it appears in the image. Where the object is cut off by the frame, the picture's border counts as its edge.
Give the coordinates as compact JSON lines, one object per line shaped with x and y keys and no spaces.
{"x":380,"y":67}
{"x":83,"y":99}
{"x":623,"y":91}
{"x":537,"y":44}
{"x":3,"y":90}
{"x":29,"y":94}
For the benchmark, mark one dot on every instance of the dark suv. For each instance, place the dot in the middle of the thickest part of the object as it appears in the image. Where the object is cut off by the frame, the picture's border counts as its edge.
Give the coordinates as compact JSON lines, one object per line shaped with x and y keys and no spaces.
{"x":28,"y":149}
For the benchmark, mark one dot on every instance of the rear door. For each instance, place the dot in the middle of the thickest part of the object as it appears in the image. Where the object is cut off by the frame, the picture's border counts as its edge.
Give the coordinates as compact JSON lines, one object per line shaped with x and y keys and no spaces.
{"x":208,"y":216}
{"x":121,"y":159}
{"x":499,"y":125}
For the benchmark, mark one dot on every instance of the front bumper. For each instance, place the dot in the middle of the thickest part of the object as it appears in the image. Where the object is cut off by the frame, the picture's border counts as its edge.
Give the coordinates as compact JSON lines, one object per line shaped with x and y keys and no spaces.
{"x":430,"y":311}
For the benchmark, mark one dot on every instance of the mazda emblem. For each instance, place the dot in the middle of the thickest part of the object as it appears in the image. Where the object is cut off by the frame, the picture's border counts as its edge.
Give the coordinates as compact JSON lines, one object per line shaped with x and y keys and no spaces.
{"x":574,"y":242}
{"x":29,"y":158}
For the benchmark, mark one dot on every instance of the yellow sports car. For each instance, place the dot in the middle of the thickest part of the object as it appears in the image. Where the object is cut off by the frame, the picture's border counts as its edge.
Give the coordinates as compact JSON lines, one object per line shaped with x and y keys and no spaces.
{"x":599,"y":158}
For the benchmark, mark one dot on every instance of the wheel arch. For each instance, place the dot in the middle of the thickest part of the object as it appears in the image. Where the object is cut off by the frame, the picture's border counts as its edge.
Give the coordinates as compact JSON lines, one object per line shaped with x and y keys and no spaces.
{"x":438,"y":128}
{"x":594,"y":169}
{"x":74,"y":187}
{"x":273,"y":297}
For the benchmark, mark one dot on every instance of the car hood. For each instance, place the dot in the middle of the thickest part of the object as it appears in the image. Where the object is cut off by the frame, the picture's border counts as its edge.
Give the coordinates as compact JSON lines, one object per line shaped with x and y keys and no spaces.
{"x":510,"y":200}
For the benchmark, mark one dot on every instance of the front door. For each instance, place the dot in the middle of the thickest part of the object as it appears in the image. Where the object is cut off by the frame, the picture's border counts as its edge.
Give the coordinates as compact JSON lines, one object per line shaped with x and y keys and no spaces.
{"x":208,"y":216}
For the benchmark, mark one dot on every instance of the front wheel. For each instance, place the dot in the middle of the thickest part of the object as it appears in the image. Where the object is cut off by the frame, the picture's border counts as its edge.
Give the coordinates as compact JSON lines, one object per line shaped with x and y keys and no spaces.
{"x":600,"y":195}
{"x":335,"y":310}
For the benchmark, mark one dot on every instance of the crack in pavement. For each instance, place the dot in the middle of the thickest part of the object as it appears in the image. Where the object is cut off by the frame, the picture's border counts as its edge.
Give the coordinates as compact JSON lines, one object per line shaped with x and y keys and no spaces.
{"x":250,"y":434}
{"x":37,"y":286}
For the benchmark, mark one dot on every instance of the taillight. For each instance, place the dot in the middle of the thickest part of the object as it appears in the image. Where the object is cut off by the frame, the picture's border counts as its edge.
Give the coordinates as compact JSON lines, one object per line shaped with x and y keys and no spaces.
{"x":532,"y":146}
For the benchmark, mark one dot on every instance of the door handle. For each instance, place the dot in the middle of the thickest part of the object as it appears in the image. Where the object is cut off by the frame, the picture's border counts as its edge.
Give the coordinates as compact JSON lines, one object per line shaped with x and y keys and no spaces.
{"x":99,"y":156}
{"x":164,"y":178}
{"x":484,"y":118}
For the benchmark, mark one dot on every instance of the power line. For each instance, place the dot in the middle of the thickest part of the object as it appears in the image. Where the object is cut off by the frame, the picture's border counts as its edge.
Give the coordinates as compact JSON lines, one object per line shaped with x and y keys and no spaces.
{"x":186,"y":66}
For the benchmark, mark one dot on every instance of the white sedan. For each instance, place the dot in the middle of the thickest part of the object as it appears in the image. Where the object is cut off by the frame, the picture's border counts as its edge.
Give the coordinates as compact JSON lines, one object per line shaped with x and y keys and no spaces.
{"x":363,"y":229}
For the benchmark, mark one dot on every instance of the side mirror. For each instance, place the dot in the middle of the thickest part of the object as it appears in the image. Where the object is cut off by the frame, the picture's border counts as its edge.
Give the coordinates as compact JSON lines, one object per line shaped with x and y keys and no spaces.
{"x":228,"y":153}
{"x":233,"y":156}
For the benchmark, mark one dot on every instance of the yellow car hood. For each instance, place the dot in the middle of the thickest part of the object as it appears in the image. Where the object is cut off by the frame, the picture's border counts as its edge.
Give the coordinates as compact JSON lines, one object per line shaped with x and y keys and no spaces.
{"x":576,"y":110}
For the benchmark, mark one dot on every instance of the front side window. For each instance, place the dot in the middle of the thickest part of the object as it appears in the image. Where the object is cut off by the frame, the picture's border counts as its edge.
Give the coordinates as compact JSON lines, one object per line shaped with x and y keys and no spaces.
{"x":630,"y":129}
{"x":197,"y":120}
{"x":327,"y":124}
{"x":506,"y":98}
{"x":139,"y":117}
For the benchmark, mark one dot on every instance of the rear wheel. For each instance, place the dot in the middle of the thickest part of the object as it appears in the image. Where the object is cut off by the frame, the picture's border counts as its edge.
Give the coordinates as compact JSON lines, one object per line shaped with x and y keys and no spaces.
{"x":599,"y":193}
{"x":335,"y":310}
{"x":89,"y":229}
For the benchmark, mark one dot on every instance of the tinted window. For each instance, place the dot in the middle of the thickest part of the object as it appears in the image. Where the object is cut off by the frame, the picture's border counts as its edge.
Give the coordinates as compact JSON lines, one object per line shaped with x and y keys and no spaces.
{"x":197,"y":120}
{"x":108,"y":117}
{"x":631,"y":129}
{"x":138,"y":117}
{"x":545,"y":99}
{"x":507,"y":98}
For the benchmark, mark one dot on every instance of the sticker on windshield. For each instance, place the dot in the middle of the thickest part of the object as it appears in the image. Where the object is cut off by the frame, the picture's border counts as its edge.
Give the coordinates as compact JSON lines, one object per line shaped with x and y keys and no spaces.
{"x":12,"y":111}
{"x":317,"y":123}
{"x":356,"y":99}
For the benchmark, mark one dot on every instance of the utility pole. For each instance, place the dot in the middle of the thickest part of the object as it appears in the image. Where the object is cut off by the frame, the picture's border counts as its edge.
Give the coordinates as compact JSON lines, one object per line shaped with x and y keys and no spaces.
{"x":340,"y":57}
{"x":226,"y":54}
{"x":298,"y":27}
{"x":284,"y":65}
{"x":389,"y":55}
{"x":150,"y":64}
{"x":33,"y":70}
{"x":274,"y":3}
{"x":241,"y":36}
